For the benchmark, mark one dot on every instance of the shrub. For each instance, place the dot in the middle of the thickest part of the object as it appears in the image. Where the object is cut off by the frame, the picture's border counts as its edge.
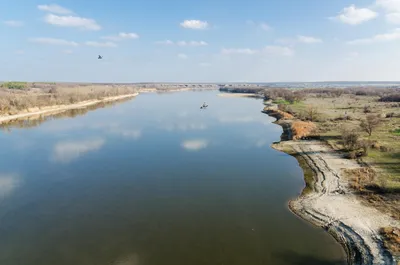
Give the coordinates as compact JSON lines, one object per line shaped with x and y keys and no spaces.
{"x":350,"y":139}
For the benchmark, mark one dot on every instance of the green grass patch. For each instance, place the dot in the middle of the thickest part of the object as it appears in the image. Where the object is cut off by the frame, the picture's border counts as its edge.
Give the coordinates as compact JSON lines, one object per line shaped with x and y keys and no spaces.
{"x":396,"y":132}
{"x":281,"y":101}
{"x":14,"y":85}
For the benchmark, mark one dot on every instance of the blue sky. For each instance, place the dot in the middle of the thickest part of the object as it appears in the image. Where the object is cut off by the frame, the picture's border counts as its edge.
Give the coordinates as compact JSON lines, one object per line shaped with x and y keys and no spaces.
{"x":200,"y":41}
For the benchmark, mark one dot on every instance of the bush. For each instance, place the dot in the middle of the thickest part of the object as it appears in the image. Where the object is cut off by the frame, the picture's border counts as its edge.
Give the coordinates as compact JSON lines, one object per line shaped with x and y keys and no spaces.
{"x":367,"y":109}
{"x":350,"y":139}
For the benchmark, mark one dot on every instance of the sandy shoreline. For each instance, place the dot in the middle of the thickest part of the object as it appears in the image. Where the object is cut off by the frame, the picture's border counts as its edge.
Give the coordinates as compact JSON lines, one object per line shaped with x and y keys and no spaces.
{"x":333,"y":206}
{"x":60,"y":108}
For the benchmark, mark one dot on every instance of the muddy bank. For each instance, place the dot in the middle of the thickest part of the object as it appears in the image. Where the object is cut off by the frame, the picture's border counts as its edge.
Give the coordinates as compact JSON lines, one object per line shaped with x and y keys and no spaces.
{"x":332,"y":205}
{"x":59,"y":108}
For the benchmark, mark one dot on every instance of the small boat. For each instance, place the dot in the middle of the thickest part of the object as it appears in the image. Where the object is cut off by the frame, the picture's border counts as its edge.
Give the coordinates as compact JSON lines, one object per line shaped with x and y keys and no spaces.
{"x":204,"y":106}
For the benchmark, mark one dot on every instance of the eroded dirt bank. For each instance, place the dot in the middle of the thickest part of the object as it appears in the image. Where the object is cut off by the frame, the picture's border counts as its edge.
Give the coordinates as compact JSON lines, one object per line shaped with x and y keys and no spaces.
{"x":331,"y":204}
{"x":59,"y":108}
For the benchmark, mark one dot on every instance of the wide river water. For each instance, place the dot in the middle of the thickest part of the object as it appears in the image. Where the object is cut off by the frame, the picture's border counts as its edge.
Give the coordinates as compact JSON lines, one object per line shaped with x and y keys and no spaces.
{"x":155,"y":181}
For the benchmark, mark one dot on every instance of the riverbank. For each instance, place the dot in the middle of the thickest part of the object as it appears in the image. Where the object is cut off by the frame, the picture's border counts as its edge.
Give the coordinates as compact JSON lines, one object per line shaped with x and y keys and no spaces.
{"x":331,"y":204}
{"x":49,"y":110}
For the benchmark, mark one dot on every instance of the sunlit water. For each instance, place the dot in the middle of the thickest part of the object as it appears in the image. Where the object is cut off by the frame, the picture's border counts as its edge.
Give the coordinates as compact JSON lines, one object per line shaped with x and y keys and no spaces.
{"x":155,"y":181}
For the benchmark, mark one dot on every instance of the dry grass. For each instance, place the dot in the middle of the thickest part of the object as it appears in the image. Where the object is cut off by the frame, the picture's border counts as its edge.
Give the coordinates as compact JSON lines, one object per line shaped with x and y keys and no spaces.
{"x":391,"y":237}
{"x":301,"y":129}
{"x":13,"y":101}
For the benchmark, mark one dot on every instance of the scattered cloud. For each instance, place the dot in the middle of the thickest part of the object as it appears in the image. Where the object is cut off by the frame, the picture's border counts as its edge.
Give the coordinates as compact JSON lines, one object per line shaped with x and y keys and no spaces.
{"x":53,"y":41}
{"x":165,"y":42}
{"x":70,"y":150}
{"x":195,"y":145}
{"x":67,"y":51}
{"x":390,"y":36}
{"x":13,"y":23}
{"x":239,"y":51}
{"x":182,"y":56}
{"x":194,"y":24}
{"x":53,"y":8}
{"x":278,"y":50}
{"x":265,"y":26}
{"x":183,"y":43}
{"x":72,"y":21}
{"x":8,"y":183}
{"x":392,"y":9}
{"x":192,"y":43}
{"x":107,"y":44}
{"x":261,"y":25}
{"x":354,"y":16}
{"x":306,"y":39}
{"x":393,"y":18}
{"x":20,"y":52}
{"x":389,"y":6}
{"x":122,"y":36}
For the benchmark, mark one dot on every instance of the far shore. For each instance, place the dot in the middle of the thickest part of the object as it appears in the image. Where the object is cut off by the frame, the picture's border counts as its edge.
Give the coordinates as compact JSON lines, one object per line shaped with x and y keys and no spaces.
{"x":60,"y":108}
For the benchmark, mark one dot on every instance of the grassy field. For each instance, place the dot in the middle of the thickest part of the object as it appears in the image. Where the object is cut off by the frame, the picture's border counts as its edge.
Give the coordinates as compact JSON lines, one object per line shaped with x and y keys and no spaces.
{"x":334,"y":113}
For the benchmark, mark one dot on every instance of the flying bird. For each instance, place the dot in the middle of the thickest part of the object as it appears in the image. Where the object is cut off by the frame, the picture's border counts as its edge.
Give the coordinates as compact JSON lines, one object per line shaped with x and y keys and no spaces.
{"x":100,"y":57}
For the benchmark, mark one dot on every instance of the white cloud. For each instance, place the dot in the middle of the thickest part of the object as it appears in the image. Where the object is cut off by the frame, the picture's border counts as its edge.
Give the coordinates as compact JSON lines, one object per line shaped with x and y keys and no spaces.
{"x":71,"y":150}
{"x":107,"y":44}
{"x":393,"y":18}
{"x":306,"y":39}
{"x":122,"y":36}
{"x":194,"y":24}
{"x":278,"y":50}
{"x":20,"y":52}
{"x":53,"y":41}
{"x":67,"y":51}
{"x":195,"y":145}
{"x":389,"y":5}
{"x":390,"y":36}
{"x":265,"y":26}
{"x":239,"y":51}
{"x":165,"y":42}
{"x":72,"y":21}
{"x":192,"y":43}
{"x":354,"y":16}
{"x":8,"y":183}
{"x":183,"y":43}
{"x":13,"y":23}
{"x":53,"y":8}
{"x":182,"y":56}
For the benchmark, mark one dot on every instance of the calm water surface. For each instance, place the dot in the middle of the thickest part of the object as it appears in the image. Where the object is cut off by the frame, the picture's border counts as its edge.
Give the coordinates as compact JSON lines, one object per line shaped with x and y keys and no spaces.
{"x":155,"y":181}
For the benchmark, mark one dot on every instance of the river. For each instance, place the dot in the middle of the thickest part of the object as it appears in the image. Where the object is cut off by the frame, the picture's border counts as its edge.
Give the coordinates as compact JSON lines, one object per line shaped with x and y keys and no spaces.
{"x":155,"y":181}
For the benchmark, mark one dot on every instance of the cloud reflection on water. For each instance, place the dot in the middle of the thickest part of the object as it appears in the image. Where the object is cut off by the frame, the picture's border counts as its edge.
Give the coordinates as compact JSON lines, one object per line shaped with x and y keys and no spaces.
{"x":8,"y":183}
{"x":68,"y":151}
{"x":195,"y":145}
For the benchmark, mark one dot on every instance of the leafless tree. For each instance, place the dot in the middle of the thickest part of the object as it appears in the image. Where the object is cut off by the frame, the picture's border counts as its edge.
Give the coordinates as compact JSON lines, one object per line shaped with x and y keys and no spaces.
{"x":370,"y":123}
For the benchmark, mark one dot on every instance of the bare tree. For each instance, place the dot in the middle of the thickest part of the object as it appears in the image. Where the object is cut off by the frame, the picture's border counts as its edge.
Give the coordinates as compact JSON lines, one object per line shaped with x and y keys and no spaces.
{"x":312,"y":113}
{"x":370,"y":123}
